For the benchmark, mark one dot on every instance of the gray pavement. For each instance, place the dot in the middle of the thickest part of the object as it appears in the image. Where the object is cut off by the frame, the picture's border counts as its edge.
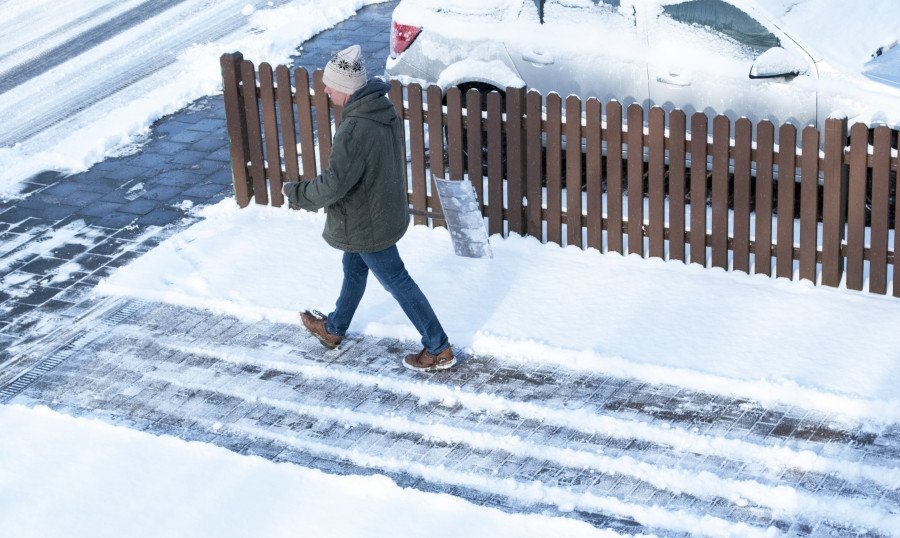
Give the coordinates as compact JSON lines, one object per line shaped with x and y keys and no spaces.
{"x":619,"y":454}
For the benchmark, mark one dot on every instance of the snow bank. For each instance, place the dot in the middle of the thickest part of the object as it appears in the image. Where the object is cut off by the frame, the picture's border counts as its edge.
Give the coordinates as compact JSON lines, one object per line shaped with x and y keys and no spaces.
{"x":774,"y":341}
{"x":64,"y":476}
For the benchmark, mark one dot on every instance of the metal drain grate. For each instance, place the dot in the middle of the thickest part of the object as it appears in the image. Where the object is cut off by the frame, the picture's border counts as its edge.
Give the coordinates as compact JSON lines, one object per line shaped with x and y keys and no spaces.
{"x":83,"y":337}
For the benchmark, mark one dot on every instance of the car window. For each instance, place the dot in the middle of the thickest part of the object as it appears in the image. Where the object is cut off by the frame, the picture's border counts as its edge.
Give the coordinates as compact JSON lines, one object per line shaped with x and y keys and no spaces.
{"x":580,"y":11}
{"x":568,"y":7}
{"x":725,"y":20}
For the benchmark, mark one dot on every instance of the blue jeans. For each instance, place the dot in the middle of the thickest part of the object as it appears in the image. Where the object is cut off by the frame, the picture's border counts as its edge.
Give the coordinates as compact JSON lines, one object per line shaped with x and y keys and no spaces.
{"x":388,"y":268}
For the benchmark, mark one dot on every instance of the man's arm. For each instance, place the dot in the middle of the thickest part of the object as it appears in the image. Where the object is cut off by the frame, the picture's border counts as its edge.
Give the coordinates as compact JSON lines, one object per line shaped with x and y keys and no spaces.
{"x":346,"y":166}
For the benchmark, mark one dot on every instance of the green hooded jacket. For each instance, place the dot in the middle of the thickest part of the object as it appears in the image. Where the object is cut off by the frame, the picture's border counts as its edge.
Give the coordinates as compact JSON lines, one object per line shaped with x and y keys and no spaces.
{"x":363,"y":189}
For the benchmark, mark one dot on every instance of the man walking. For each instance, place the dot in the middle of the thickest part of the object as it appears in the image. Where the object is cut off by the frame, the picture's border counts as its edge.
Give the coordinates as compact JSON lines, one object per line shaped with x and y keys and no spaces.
{"x":367,"y":209}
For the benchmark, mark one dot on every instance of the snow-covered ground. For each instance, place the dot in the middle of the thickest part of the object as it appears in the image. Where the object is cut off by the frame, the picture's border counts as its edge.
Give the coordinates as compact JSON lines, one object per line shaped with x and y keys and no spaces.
{"x":82,"y":83}
{"x":81,"y":477}
{"x":773,"y":341}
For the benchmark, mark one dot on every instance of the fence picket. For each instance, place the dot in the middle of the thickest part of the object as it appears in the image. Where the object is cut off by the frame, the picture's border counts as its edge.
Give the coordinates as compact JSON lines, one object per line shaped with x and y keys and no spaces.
{"x":286,"y":122}
{"x":270,"y":126}
{"x":594,"y":179}
{"x":495,"y":163}
{"x":553,"y":163}
{"x":896,"y":252}
{"x":534,"y":158}
{"x":254,"y":134}
{"x":657,"y":180}
{"x":614,"y":164}
{"x":417,"y":153}
{"x":809,"y":203}
{"x":474,"y":143}
{"x":699,"y":132}
{"x":305,"y":121}
{"x":881,"y":166}
{"x":856,"y":206}
{"x":515,"y":159}
{"x":455,"y":133}
{"x":395,"y":95}
{"x":435,"y":145}
{"x":721,"y":142}
{"x":743,"y":134}
{"x":635,"y":179}
{"x":677,"y":198}
{"x":765,"y":161}
{"x":323,"y":119}
{"x":236,"y":122}
{"x":787,"y":159}
{"x":834,"y":202}
{"x":573,"y":171}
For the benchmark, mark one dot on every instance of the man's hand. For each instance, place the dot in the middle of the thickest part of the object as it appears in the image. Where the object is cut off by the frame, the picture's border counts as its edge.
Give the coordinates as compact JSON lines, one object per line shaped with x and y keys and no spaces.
{"x":286,"y":188}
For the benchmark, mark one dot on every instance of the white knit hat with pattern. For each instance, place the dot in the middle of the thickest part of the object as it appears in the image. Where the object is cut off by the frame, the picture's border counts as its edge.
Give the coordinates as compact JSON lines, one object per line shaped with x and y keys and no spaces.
{"x":345,"y":71}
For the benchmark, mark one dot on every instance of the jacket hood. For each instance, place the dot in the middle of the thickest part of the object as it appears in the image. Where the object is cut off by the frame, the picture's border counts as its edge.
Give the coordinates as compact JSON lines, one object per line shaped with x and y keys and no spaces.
{"x":369,"y":102}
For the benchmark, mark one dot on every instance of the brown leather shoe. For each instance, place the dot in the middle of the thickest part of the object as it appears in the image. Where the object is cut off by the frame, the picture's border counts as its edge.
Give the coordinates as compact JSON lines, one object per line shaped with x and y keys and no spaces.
{"x":315,"y":323}
{"x":424,"y":361}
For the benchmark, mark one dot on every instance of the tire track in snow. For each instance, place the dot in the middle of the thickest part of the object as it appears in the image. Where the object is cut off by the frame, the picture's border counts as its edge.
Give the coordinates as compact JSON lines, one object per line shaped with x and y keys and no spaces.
{"x":122,"y":60}
{"x":86,"y":40}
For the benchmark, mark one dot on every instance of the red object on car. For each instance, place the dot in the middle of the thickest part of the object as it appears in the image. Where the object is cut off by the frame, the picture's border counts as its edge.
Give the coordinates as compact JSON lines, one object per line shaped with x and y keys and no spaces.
{"x":402,"y":36}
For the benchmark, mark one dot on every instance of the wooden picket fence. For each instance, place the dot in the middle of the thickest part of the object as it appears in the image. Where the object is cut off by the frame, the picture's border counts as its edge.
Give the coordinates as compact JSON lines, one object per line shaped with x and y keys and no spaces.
{"x":530,"y":172}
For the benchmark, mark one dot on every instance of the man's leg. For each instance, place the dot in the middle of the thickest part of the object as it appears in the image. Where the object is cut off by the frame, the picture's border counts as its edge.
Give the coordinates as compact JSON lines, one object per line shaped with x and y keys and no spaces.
{"x":352,"y":289}
{"x":388,"y":268}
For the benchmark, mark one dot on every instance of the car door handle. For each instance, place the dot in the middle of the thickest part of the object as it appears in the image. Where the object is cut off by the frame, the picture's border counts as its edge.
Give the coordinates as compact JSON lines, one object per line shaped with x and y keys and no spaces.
{"x":538,"y":58}
{"x":673,"y":79}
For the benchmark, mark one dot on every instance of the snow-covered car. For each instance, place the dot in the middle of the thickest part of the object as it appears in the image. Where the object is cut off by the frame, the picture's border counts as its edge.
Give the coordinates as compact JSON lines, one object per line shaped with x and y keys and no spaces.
{"x":797,"y":61}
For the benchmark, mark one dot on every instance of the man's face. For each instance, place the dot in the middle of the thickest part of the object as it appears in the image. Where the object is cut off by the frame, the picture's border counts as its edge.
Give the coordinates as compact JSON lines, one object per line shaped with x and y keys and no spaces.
{"x":338,"y":97}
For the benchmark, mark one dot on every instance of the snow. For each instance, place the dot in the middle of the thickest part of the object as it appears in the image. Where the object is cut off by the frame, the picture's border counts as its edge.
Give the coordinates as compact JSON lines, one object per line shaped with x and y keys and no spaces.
{"x":65,"y":476}
{"x":101,"y":102}
{"x":774,"y":341}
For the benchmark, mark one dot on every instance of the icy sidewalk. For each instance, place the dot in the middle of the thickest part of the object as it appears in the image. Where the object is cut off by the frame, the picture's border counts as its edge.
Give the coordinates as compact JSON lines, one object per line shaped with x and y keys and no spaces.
{"x":630,"y":456}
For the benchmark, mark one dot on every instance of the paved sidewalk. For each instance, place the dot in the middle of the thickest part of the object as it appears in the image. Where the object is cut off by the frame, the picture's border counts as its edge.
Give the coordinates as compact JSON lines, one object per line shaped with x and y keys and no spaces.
{"x":620,"y":454}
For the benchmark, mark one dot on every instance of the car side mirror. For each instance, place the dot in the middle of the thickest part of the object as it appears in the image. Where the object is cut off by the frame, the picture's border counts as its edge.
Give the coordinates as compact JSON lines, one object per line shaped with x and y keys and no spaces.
{"x":778,"y":62}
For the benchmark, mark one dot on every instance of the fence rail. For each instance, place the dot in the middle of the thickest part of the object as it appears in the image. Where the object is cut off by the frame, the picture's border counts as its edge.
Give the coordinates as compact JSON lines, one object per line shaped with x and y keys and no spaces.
{"x":841,"y":227}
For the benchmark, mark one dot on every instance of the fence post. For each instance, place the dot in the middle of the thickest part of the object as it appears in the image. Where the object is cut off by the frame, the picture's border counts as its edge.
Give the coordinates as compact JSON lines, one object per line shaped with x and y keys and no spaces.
{"x":594,"y":170}
{"x":574,"y":181}
{"x":699,"y":131}
{"x":809,"y":203}
{"x":743,"y":140}
{"x":719,"y":224}
{"x":765,"y":162}
{"x":677,"y":167}
{"x":553,"y":163}
{"x":515,"y":161}
{"x":287,"y":122}
{"x":787,"y":165}
{"x":656,"y":182}
{"x":635,"y":141}
{"x":254,"y":133}
{"x":236,"y":122}
{"x":495,"y":163}
{"x":270,"y":128}
{"x":881,"y":168}
{"x":435,"y":145}
{"x":834,"y":206}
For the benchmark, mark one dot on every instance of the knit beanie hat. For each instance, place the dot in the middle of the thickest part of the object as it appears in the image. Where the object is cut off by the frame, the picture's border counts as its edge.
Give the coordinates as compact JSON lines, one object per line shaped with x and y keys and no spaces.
{"x":345,"y":71}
